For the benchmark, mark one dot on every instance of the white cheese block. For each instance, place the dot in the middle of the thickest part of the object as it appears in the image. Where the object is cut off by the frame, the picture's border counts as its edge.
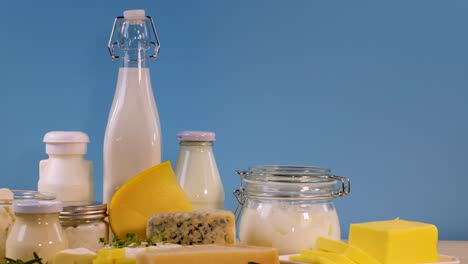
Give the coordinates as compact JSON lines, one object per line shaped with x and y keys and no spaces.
{"x":192,"y":228}
{"x":209,"y":254}
{"x":75,"y":256}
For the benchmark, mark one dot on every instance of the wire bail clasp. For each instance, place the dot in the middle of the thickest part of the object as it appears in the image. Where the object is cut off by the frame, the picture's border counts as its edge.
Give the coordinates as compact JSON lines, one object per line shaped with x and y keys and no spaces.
{"x":112,"y":43}
{"x":240,"y":195}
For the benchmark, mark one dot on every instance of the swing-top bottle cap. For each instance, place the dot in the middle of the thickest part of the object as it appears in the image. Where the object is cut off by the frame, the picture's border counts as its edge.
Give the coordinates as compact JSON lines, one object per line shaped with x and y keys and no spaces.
{"x":134,"y":14}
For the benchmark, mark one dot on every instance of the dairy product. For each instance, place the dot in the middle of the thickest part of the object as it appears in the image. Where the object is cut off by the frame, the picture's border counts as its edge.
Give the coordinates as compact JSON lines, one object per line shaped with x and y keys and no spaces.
{"x":396,"y":241}
{"x":354,"y":253}
{"x":209,"y":254}
{"x":86,"y":235}
{"x":197,"y":171}
{"x":314,"y":256}
{"x":75,"y":256}
{"x":36,"y":229}
{"x":287,"y":228}
{"x":7,"y":218}
{"x":132,"y":142}
{"x":195,"y":227}
{"x":66,"y":173}
{"x":153,"y":191}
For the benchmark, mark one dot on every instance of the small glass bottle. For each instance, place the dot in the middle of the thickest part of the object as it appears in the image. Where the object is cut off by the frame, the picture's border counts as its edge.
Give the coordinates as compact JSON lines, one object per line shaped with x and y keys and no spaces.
{"x":85,"y":225}
{"x":197,"y":171}
{"x":36,"y":229}
{"x":288,"y":207}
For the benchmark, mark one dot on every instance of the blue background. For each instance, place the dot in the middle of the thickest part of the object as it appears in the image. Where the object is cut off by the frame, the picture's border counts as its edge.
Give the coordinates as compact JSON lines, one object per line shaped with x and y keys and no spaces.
{"x":377,"y":91}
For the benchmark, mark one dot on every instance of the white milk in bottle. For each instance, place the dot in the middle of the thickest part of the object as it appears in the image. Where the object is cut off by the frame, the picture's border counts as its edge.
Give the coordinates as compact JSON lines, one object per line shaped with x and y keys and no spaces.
{"x":132,"y":141}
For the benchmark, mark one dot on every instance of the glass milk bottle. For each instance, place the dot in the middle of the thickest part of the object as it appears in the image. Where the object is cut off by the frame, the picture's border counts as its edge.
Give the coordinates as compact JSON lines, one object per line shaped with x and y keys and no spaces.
{"x":36,"y":229}
{"x":197,"y":171}
{"x":66,"y":174}
{"x":132,"y":141}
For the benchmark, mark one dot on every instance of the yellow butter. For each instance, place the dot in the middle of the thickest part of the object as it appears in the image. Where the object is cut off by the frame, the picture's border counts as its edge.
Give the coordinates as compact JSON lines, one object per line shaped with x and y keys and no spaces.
{"x":312,"y":259}
{"x":349,"y":251}
{"x":113,"y":256}
{"x":75,"y":256}
{"x":396,"y":241}
{"x":209,"y":254}
{"x":153,"y":191}
{"x":335,"y":257}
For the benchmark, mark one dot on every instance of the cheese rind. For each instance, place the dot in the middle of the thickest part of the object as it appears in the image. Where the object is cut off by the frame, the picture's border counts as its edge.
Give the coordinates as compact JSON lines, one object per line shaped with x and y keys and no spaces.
{"x":396,"y":241}
{"x":209,"y":254}
{"x":193,"y":228}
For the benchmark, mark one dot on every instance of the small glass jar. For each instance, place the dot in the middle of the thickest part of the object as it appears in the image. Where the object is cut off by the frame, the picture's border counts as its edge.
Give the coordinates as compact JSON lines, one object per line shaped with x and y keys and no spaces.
{"x":36,"y":229}
{"x":7,"y":216}
{"x":85,"y":225}
{"x":288,"y":207}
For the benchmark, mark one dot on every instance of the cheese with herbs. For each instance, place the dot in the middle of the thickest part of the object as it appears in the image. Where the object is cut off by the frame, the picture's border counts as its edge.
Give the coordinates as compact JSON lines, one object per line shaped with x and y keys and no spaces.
{"x":192,"y":228}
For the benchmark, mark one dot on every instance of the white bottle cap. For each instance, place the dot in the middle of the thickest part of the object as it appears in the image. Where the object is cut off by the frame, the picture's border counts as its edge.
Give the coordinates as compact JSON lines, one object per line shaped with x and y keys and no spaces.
{"x":66,"y":142}
{"x":134,"y":14}
{"x":37,"y":207}
{"x":196,"y":136}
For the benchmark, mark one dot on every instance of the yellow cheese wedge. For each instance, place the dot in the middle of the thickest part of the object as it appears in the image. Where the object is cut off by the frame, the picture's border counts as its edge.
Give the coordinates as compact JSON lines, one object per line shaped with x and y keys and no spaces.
{"x":350,"y":251}
{"x":396,"y":241}
{"x":209,"y":254}
{"x":153,"y":191}
{"x":75,"y":256}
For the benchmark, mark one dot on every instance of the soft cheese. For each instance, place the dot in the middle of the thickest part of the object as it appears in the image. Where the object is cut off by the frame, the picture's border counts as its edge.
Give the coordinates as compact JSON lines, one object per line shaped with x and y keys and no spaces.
{"x":396,"y":241}
{"x":209,"y":254}
{"x":191,"y":228}
{"x":75,"y":256}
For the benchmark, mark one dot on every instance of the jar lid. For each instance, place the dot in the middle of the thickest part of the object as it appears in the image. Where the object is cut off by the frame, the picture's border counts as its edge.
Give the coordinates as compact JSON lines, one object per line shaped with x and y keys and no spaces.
{"x":294,"y":182}
{"x":25,"y":195}
{"x":196,"y":136}
{"x":37,"y":207}
{"x":74,"y":210}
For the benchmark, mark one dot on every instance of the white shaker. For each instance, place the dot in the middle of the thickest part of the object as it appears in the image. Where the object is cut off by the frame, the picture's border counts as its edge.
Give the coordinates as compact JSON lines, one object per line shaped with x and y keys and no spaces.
{"x":66,"y":173}
{"x":197,"y":172}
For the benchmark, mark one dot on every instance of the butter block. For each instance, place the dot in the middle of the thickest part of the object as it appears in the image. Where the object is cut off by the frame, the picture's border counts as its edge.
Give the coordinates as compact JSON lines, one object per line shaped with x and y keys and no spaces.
{"x":75,"y":256}
{"x":396,"y":241}
{"x":113,"y":256}
{"x":209,"y":254}
{"x":354,"y":253}
{"x":193,"y":228}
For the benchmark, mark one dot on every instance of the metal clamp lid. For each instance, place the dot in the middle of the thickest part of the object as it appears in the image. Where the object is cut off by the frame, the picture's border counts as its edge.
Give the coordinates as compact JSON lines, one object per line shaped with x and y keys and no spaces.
{"x":112,"y":43}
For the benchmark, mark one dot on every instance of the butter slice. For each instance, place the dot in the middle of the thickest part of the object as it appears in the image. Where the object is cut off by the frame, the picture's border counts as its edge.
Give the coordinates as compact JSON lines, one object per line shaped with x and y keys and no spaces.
{"x":209,"y":254}
{"x":354,"y":253}
{"x":335,"y":257}
{"x":75,"y":256}
{"x":312,"y":259}
{"x":113,"y":256}
{"x":396,"y":241}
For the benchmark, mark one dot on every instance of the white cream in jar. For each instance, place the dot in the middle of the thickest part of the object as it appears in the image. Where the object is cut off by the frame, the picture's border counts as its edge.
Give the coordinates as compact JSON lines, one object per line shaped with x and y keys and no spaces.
{"x":36,"y":229}
{"x":7,"y":218}
{"x":288,"y":207}
{"x":85,"y":225}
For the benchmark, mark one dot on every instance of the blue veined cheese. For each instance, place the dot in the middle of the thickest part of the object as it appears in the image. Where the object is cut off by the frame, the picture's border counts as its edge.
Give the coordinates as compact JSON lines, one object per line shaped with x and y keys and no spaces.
{"x":192,"y":228}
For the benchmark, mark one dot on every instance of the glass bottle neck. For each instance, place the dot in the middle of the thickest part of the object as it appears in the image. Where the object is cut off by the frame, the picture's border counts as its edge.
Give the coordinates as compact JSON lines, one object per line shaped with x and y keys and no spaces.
{"x":134,"y":59}
{"x":197,"y":143}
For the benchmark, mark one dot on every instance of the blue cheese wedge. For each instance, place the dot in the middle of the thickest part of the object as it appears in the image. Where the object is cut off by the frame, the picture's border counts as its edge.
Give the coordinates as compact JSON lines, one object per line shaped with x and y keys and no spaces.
{"x":193,"y":228}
